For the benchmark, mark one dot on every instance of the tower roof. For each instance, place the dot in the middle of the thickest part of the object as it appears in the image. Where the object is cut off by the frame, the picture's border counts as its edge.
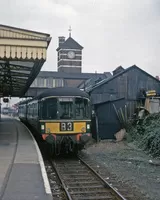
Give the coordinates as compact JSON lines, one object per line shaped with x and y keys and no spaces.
{"x":70,"y":43}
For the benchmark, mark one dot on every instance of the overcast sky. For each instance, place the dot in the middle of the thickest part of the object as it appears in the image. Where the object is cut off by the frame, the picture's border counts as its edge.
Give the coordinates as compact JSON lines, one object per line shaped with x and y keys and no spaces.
{"x":112,"y":32}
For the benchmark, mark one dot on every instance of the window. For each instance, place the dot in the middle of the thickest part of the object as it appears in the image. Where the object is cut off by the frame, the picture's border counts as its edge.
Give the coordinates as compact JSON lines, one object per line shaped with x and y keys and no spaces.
{"x":54,"y":83}
{"x":66,"y":108}
{"x":36,"y":109}
{"x":49,"y":82}
{"x":40,"y":82}
{"x":48,"y":108}
{"x":81,"y":108}
{"x":59,"y":82}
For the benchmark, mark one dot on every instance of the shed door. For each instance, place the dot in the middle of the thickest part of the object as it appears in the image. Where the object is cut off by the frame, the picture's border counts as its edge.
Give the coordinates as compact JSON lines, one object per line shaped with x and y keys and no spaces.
{"x":108,"y":123}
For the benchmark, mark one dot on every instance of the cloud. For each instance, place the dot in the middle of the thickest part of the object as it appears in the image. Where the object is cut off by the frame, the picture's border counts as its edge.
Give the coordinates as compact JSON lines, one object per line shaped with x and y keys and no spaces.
{"x":113,"y":33}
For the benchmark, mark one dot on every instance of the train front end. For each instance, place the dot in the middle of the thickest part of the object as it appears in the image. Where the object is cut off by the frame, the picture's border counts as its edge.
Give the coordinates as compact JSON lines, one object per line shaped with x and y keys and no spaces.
{"x":65,"y":122}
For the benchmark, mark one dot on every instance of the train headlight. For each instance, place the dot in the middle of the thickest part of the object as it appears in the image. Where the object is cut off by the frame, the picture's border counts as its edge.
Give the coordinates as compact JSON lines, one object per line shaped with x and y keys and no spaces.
{"x":88,"y":126}
{"x":42,"y":127}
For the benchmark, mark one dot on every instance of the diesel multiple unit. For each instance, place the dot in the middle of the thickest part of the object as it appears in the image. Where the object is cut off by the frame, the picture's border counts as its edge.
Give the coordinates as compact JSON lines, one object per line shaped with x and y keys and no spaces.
{"x":61,"y":117}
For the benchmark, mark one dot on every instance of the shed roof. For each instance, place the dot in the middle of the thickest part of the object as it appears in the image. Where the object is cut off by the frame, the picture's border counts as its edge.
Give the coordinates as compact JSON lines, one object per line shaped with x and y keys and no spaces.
{"x":119,"y":74}
{"x":91,"y":82}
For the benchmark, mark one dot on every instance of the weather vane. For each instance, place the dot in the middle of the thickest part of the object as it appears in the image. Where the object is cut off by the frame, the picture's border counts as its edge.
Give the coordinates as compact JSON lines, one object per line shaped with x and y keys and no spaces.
{"x":70,"y":30}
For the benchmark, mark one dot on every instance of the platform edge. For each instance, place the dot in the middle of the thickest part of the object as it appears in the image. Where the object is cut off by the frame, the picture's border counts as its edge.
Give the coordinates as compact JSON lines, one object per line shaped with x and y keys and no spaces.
{"x":40,"y":159}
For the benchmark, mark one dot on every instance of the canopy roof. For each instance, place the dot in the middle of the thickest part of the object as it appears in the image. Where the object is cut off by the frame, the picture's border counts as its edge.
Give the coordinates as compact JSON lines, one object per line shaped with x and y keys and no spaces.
{"x":22,"y":54}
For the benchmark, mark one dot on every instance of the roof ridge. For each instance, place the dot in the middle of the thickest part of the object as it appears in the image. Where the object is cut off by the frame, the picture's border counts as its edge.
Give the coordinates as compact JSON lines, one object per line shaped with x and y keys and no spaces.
{"x":120,"y":73}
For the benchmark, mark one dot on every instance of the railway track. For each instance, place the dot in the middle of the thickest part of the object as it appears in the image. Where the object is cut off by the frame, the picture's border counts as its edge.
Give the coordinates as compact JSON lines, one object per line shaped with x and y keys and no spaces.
{"x":82,"y":182}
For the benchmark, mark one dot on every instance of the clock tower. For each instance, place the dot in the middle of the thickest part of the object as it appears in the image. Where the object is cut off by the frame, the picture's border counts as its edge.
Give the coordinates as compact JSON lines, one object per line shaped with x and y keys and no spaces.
{"x":69,"y":55}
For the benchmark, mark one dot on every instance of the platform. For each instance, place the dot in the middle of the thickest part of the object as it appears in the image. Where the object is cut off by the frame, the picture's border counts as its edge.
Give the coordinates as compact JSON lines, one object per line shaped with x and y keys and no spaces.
{"x":22,"y":171}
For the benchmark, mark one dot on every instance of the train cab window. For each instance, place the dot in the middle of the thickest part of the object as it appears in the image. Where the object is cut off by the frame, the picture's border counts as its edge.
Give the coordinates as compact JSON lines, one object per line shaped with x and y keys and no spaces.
{"x":81,"y":108}
{"x":49,"y":109}
{"x":66,"y":108}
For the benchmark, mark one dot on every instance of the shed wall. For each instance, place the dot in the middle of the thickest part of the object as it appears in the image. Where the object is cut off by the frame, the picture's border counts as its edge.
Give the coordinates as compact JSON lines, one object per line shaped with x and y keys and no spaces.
{"x":112,"y":90}
{"x":126,"y":85}
{"x":138,"y":80}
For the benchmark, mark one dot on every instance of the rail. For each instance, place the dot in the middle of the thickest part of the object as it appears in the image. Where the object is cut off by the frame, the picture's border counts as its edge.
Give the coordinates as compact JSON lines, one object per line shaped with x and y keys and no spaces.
{"x":81,"y":182}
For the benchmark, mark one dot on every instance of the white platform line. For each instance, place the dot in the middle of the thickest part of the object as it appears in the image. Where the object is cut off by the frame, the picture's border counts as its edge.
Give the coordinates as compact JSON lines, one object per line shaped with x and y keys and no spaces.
{"x":43,"y":169}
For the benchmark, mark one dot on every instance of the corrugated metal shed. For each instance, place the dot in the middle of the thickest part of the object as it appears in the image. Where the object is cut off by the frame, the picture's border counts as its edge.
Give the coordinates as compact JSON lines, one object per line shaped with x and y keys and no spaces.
{"x":121,"y":89}
{"x":126,"y":84}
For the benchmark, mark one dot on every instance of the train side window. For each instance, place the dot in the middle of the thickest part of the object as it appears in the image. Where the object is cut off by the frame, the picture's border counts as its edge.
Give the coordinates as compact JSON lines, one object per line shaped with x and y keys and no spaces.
{"x":32,"y":109}
{"x":41,"y":109}
{"x":28,"y":111}
{"x":36,"y":110}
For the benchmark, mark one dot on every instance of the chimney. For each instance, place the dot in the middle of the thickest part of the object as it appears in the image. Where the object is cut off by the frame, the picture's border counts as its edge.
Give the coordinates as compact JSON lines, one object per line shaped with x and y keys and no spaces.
{"x":61,"y":40}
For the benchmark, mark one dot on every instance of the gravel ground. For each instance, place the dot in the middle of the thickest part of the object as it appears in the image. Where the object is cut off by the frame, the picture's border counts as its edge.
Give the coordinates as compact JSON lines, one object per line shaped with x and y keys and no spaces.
{"x":130,"y":165}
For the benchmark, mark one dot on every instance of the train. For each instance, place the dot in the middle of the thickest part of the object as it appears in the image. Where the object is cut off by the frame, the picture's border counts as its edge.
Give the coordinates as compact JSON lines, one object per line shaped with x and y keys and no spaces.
{"x":61,"y":117}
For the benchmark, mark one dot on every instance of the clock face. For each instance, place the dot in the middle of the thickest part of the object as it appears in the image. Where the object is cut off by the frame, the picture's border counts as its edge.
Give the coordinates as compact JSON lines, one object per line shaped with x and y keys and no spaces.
{"x":71,"y":54}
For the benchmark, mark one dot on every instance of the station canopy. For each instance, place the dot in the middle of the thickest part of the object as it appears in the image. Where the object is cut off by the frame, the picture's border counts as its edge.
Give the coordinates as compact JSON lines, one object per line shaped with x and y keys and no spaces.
{"x":22,"y":54}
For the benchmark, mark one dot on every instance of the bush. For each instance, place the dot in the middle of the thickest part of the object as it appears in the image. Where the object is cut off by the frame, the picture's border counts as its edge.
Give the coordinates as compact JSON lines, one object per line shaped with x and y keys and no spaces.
{"x":147,"y":134}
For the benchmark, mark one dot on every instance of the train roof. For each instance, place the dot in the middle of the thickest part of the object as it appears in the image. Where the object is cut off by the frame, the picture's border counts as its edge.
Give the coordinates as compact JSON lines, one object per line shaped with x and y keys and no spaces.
{"x":63,"y":91}
{"x":24,"y":101}
{"x":58,"y":91}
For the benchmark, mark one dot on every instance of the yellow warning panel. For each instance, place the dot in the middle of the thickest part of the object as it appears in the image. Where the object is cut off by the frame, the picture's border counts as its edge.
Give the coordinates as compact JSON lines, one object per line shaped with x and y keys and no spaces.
{"x":54,"y":127}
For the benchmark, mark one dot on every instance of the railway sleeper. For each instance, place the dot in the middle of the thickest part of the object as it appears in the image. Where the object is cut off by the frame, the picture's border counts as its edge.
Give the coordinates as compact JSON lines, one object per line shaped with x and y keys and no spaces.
{"x":83,"y":183}
{"x":89,"y":187}
{"x":95,"y":198}
{"x":67,"y":174}
{"x":80,"y":178}
{"x":90,"y":192}
{"x":73,"y":171}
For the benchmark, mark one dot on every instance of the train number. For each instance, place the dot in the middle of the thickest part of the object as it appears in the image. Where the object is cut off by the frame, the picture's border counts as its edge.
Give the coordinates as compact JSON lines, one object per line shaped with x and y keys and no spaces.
{"x":66,"y":126}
